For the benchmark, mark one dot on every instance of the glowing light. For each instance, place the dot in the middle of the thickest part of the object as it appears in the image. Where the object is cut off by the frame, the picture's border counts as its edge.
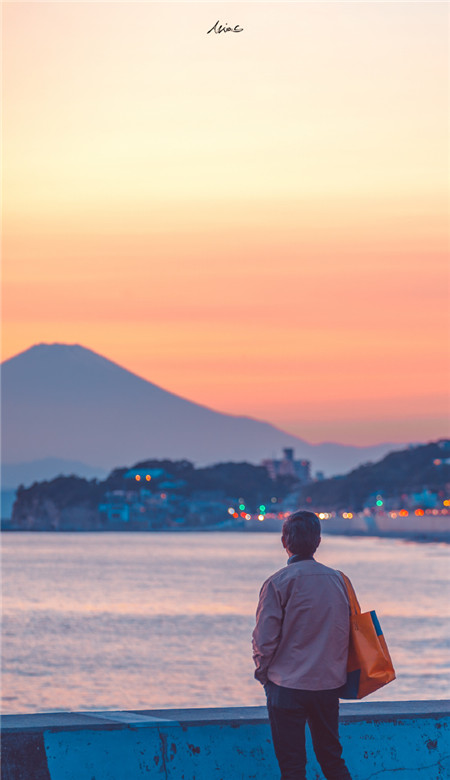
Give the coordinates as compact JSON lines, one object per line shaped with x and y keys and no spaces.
{"x":394,"y":514}
{"x":163,"y":495}
{"x":138,"y":477}
{"x":403,"y":513}
{"x":379,"y":502}
{"x":274,"y":499}
{"x":446,"y":502}
{"x":322,"y":516}
{"x":243,"y":514}
{"x":261,"y":517}
{"x":230,"y":510}
{"x":419,"y":512}
{"x":235,"y":515}
{"x":248,"y":517}
{"x":437,"y":462}
{"x":262,"y":508}
{"x":148,"y":477}
{"x":241,"y":506}
{"x":349,"y":515}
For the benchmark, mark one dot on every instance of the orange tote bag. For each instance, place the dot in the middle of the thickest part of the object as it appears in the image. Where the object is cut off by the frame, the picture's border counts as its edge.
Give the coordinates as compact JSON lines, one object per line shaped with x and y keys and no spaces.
{"x":369,"y":665}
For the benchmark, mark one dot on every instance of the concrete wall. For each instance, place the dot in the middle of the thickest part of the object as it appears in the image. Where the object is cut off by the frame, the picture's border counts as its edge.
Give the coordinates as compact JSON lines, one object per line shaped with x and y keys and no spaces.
{"x":384,"y":740}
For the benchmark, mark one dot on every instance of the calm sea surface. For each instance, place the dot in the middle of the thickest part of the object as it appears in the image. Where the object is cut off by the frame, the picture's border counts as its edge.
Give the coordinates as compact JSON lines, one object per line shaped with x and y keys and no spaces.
{"x":136,"y":621}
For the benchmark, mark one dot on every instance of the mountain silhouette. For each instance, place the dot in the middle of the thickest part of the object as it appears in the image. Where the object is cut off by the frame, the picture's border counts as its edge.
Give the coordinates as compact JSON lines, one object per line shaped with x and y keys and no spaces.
{"x":68,"y":403}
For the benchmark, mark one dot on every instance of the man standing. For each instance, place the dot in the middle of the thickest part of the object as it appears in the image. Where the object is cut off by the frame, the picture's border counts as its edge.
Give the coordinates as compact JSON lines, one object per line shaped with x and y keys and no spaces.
{"x":300,"y":648}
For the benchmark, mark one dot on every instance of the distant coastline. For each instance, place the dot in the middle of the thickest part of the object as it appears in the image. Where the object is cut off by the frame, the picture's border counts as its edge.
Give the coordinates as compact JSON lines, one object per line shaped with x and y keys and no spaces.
{"x":433,"y":528}
{"x":405,"y":495}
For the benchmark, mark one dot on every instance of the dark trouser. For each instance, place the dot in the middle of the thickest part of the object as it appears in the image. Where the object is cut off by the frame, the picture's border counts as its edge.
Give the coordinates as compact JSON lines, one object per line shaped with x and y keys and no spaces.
{"x":289,"y":710}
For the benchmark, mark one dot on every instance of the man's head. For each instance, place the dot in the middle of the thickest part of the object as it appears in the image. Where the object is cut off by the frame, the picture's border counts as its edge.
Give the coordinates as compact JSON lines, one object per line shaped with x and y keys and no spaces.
{"x":301,"y":533}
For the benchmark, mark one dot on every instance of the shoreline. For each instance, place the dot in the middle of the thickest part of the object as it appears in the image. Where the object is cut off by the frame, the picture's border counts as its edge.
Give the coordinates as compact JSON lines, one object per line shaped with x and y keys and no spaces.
{"x":418,"y":537}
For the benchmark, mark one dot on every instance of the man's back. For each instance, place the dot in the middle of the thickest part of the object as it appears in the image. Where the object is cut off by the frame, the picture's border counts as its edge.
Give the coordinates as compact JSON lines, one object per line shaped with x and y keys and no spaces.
{"x":300,"y":648}
{"x":302,"y":627}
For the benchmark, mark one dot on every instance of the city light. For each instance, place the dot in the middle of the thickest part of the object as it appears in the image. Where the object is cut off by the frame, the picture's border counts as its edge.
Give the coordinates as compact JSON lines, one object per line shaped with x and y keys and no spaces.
{"x":230,"y":510}
{"x":261,"y":517}
{"x":148,"y":477}
{"x":241,"y":507}
{"x":138,"y":477}
{"x":262,"y":508}
{"x":419,"y":512}
{"x":379,"y":502}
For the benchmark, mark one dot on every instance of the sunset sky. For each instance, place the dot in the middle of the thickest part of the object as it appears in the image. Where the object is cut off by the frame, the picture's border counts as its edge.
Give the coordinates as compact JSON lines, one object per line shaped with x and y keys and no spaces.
{"x":255,"y":221}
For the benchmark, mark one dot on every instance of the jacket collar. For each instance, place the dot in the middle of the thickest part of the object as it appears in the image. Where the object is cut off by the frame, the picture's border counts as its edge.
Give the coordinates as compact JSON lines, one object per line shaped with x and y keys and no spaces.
{"x":296,"y":558}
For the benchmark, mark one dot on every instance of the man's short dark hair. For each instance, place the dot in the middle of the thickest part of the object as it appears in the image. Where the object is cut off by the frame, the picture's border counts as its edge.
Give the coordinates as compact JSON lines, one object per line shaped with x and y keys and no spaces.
{"x":301,"y":533}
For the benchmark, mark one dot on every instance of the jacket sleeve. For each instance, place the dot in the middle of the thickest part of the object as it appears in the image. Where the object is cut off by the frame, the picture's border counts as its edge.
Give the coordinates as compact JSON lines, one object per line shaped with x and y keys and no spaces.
{"x":267,"y":633}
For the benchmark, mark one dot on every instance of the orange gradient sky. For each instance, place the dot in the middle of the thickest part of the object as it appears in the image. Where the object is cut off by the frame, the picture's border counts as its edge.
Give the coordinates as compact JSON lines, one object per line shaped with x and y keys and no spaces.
{"x":255,"y":221}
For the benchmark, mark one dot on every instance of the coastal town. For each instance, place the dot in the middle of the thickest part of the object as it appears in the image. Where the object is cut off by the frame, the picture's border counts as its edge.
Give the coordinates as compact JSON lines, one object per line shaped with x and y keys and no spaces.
{"x":406,"y":494}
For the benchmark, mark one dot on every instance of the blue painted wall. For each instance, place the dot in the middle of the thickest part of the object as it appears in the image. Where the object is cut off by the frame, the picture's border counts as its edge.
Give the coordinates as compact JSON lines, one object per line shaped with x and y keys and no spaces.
{"x":382,"y":740}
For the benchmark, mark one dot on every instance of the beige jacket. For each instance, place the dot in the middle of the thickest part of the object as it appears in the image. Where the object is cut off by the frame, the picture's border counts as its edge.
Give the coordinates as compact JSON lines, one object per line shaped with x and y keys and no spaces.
{"x":302,"y":628}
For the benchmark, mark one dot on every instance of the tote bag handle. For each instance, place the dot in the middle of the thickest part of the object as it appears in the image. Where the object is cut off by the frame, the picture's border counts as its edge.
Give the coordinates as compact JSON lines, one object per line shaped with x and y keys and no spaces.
{"x":355,"y":609}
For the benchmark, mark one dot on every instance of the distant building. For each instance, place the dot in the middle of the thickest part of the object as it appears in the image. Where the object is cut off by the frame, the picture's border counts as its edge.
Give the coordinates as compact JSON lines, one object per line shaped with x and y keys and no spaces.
{"x":426,"y":499}
{"x":288,"y":467}
{"x":115,"y":512}
{"x":145,"y":475}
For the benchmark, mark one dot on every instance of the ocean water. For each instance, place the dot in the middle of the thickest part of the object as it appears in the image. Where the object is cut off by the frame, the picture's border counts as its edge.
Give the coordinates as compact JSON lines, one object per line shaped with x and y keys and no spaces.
{"x":137,"y":621}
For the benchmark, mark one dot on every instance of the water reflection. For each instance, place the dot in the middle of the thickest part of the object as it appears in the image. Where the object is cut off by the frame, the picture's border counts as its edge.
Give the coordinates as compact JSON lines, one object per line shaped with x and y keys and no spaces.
{"x":157,"y":620}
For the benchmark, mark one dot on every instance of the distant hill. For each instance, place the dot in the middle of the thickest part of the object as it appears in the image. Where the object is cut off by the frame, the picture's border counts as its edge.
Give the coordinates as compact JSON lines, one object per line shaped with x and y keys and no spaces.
{"x":425,"y":468}
{"x":167,"y":495}
{"x":68,"y":403}
{"x":177,"y":493}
